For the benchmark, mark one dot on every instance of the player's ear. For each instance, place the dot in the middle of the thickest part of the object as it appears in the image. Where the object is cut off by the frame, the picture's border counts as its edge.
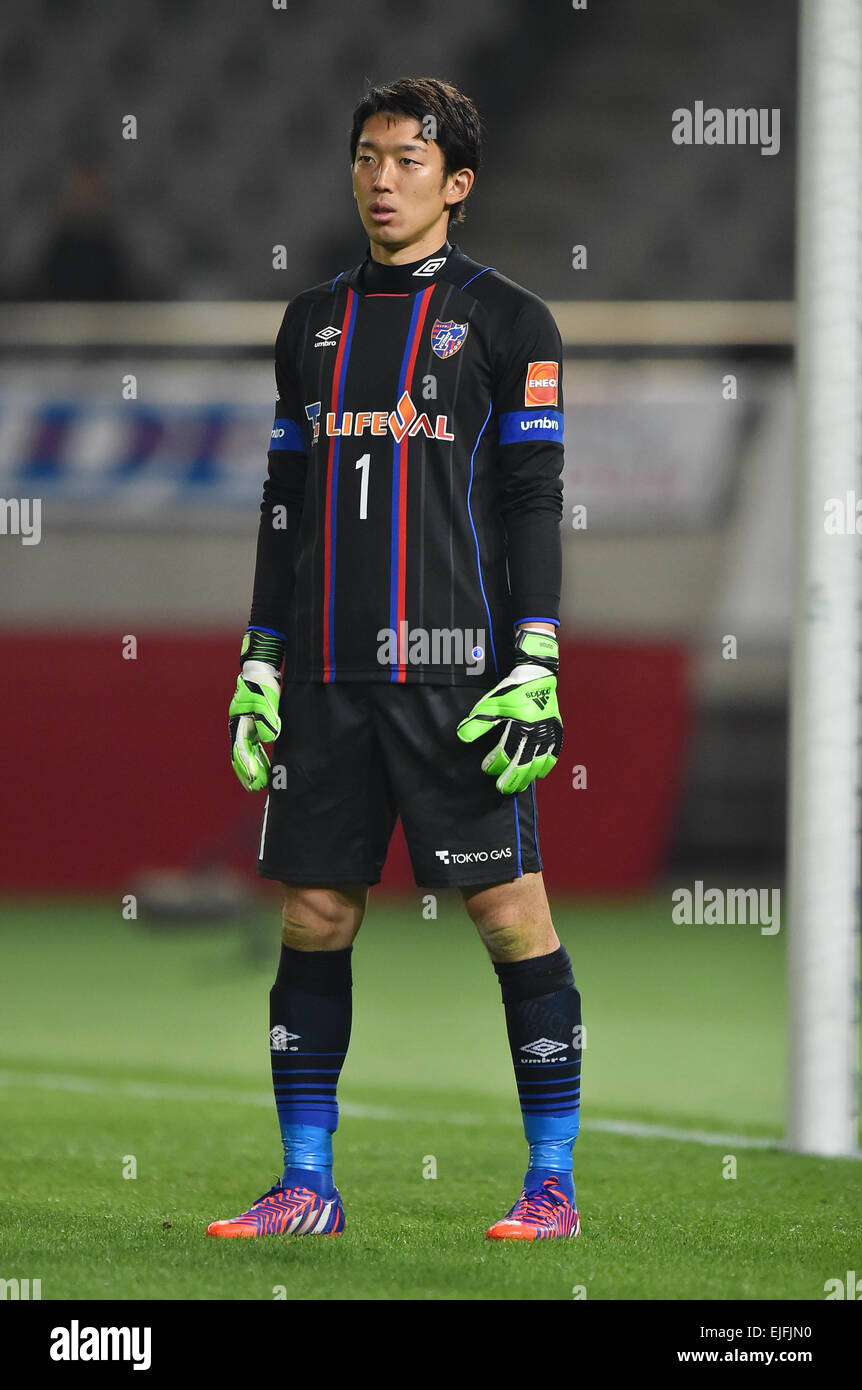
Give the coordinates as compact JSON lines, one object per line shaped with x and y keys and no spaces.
{"x":462,"y":184}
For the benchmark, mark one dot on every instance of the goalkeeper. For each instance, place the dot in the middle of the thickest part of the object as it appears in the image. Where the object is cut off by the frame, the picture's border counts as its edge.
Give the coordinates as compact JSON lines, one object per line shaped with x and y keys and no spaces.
{"x":408,"y":582}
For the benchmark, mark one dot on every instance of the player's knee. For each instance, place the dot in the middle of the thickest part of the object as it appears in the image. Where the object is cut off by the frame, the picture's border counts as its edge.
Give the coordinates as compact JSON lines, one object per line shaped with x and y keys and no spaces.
{"x":511,"y":940}
{"x":502,"y":908}
{"x":514,"y":921}
{"x":321,"y":919}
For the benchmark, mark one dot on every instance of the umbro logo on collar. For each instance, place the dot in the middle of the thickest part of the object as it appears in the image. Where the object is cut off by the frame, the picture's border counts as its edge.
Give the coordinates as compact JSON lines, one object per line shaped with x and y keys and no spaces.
{"x":431,"y":267}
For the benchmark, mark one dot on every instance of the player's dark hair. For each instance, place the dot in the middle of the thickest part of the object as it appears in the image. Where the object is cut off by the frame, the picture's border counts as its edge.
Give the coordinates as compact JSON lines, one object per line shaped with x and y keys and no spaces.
{"x":456,"y":121}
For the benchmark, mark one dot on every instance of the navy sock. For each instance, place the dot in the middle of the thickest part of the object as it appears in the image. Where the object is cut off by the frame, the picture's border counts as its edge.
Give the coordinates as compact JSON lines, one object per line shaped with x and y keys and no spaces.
{"x":310,"y":1013}
{"x":543,"y":1021}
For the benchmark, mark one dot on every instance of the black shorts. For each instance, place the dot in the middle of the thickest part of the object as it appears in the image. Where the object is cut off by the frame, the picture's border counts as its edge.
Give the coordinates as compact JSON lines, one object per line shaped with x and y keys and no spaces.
{"x":351,"y":758}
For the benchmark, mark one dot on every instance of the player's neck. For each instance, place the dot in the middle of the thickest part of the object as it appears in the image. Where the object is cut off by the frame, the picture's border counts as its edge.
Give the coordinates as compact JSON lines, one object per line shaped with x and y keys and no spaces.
{"x":416,"y":251}
{"x":375,"y":277}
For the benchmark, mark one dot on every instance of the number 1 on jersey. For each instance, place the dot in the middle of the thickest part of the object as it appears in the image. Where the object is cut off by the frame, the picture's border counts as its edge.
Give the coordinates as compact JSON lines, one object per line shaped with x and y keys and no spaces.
{"x":363,"y":463}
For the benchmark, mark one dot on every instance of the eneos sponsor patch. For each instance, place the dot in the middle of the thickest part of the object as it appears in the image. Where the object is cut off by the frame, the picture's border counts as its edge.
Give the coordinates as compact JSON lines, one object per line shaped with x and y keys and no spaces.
{"x":542,"y":383}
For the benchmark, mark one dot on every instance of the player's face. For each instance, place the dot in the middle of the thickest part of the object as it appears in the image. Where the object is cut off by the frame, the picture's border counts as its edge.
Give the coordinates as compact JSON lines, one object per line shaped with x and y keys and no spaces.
{"x":399,"y":186}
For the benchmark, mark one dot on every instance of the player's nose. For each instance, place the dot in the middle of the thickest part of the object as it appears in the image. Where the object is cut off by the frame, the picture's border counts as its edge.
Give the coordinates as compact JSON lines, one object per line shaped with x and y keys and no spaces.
{"x":383,"y":177}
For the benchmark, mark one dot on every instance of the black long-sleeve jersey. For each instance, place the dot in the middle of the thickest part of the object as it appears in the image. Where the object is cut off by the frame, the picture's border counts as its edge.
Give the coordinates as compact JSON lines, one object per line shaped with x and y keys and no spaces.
{"x":411,"y":514}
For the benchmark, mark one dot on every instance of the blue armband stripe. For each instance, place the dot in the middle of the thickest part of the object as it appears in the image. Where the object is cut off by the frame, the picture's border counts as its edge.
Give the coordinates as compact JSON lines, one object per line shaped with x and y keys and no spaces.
{"x":287,"y":434}
{"x":520,"y":426}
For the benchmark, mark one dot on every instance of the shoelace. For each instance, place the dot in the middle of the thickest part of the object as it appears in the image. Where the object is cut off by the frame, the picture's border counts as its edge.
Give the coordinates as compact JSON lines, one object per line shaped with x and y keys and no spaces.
{"x":274,"y":1191}
{"x":536,"y":1206}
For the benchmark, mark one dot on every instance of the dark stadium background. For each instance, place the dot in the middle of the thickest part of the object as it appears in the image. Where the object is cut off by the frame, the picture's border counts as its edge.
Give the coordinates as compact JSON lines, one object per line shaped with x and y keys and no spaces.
{"x":242,"y":115}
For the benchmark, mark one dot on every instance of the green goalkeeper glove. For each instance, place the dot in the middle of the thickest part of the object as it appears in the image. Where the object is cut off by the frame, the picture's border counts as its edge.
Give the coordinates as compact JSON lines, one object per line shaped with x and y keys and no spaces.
{"x":527,"y":701}
{"x":253,"y":717}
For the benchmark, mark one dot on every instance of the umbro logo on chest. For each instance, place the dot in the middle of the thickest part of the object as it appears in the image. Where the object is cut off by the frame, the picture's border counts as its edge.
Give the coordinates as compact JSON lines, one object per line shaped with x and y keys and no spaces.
{"x":327,"y":337}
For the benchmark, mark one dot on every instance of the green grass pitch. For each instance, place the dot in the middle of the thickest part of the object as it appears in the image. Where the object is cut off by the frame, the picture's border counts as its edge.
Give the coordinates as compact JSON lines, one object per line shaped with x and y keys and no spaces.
{"x":120,"y":1041}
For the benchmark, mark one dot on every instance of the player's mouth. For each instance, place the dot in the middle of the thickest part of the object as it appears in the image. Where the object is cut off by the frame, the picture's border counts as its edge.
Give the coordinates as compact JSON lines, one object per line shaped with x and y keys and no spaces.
{"x":381,"y":212}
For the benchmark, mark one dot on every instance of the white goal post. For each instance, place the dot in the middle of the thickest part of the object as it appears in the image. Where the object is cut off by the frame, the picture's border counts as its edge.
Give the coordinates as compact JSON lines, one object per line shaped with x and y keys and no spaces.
{"x":824,"y":802}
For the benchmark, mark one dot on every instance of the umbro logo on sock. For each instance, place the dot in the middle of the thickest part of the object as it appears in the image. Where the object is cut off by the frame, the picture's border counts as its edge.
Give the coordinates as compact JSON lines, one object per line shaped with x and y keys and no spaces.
{"x":543,"y":1047}
{"x":280,"y":1039}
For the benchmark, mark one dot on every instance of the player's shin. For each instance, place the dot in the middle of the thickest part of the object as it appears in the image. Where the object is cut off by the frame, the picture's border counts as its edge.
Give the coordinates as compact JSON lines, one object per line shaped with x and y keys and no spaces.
{"x":543,"y":1020}
{"x":310,"y":1018}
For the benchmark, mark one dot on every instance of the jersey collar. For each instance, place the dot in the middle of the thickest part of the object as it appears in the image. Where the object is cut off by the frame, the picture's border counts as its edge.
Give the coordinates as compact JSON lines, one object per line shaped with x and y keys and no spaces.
{"x":370,"y":277}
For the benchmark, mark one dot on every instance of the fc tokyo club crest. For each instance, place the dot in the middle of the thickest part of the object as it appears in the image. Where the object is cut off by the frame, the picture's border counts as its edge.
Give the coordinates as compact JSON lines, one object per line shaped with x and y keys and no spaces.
{"x":447,"y":337}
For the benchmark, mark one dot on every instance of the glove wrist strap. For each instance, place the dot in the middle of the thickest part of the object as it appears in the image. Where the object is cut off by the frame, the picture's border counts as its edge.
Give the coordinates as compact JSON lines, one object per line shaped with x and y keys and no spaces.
{"x":258,"y":645}
{"x":538,"y":648}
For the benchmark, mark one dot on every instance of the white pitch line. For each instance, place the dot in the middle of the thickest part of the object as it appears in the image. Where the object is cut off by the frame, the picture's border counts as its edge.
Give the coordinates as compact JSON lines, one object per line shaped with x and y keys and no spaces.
{"x":687,"y":1136}
{"x":177,"y":1090}
{"x":171,"y":1090}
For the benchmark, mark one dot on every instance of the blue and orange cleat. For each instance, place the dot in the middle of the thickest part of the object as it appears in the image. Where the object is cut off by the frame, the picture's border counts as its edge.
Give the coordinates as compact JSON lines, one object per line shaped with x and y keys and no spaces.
{"x":538,"y":1215}
{"x":286,"y":1211}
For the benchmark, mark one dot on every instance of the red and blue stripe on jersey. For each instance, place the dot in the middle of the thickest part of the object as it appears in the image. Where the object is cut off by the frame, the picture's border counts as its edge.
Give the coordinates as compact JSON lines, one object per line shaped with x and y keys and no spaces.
{"x":339,"y":377}
{"x":400,"y":461}
{"x":398,"y":564}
